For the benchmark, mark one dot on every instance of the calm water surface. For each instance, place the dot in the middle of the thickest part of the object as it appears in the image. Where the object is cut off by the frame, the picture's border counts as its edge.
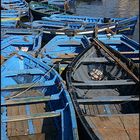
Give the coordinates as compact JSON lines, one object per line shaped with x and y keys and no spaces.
{"x":110,"y":8}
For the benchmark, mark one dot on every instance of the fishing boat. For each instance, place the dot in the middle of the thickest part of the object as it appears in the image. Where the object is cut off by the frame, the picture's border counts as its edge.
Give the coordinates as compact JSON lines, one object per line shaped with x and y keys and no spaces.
{"x":61,"y":28}
{"x":13,"y":43}
{"x":58,"y":3}
{"x":19,"y":5}
{"x":40,"y":9}
{"x":80,"y":28}
{"x":126,"y":46}
{"x":9,"y":18}
{"x":9,"y":13}
{"x":34,"y":101}
{"x":18,"y":31}
{"x":62,"y":49}
{"x":123,"y":25}
{"x":104,"y":87}
{"x":9,"y":22}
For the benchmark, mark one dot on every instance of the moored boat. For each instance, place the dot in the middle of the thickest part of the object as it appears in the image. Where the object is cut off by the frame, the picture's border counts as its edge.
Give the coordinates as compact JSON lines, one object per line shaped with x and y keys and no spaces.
{"x":19,"y":5}
{"x":62,"y":49}
{"x":18,"y":31}
{"x":13,"y":43}
{"x":9,"y":13}
{"x":62,"y":28}
{"x":56,"y":27}
{"x":121,"y":43}
{"x":9,"y":18}
{"x":34,"y":101}
{"x":59,"y":3}
{"x":123,"y":25}
{"x":104,"y":87}
{"x":40,"y":9}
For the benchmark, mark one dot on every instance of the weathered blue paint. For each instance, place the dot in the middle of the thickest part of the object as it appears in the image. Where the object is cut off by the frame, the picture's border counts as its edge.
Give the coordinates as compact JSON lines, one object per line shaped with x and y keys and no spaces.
{"x":61,"y":45}
{"x":9,"y":13}
{"x":19,"y":5}
{"x":60,"y":100}
{"x":13,"y":43}
{"x":107,"y":109}
{"x":86,"y":24}
{"x":30,"y":122}
{"x":128,"y":47}
{"x":9,"y":18}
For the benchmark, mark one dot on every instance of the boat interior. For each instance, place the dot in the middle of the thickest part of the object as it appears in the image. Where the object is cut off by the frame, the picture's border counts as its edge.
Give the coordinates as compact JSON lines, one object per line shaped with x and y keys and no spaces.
{"x":106,"y":95}
{"x":34,"y":102}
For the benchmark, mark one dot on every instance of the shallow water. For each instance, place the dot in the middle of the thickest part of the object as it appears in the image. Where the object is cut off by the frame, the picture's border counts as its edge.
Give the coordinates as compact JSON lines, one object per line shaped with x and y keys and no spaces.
{"x":110,"y":8}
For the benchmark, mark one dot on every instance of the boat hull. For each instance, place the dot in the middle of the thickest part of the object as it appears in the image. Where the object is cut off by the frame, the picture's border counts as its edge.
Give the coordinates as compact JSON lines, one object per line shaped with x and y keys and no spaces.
{"x":126,"y":46}
{"x":43,"y":110}
{"x":100,"y":95}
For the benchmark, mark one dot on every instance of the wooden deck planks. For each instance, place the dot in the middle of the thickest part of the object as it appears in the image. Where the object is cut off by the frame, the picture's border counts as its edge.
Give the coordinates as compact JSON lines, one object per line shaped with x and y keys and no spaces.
{"x":37,"y":108}
{"x":29,"y":137}
{"x":117,"y":127}
{"x":17,"y":128}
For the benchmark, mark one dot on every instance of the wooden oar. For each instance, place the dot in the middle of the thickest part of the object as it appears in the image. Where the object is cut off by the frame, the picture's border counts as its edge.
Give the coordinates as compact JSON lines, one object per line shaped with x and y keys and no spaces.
{"x":117,"y":60}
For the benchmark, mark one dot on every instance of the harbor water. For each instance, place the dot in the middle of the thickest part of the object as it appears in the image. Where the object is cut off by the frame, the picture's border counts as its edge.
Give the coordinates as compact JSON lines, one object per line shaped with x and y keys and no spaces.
{"x":110,"y":8}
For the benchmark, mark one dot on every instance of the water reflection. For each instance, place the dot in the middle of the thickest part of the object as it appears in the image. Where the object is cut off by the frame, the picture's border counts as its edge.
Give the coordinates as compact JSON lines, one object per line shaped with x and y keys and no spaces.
{"x":110,"y":8}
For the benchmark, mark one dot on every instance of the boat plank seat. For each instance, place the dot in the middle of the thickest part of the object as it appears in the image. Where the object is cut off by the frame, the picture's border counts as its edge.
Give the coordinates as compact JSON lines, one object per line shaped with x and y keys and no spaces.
{"x":129,"y":52}
{"x":103,"y":99}
{"x":105,"y":83}
{"x":32,"y":116}
{"x":24,"y":71}
{"x":67,"y":55}
{"x":95,"y":60}
{"x":123,"y":42}
{"x":135,"y":59}
{"x":126,"y":126}
{"x":28,"y":85}
{"x":78,"y":44}
{"x":64,"y":57}
{"x":27,"y":100}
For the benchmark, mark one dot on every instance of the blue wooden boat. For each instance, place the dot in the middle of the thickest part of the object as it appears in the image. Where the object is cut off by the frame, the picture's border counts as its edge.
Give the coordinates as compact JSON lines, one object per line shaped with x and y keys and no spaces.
{"x":75,"y":28}
{"x":9,"y":22}
{"x":40,"y":9}
{"x":104,"y":87}
{"x":62,"y":49}
{"x":58,"y":3}
{"x":19,"y":5}
{"x":18,"y":31}
{"x":11,"y":44}
{"x":62,"y":4}
{"x":126,"y":46}
{"x":123,"y":25}
{"x":9,"y":18}
{"x":9,"y":13}
{"x":34,"y":102}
